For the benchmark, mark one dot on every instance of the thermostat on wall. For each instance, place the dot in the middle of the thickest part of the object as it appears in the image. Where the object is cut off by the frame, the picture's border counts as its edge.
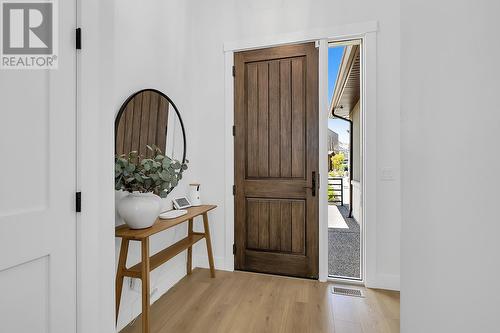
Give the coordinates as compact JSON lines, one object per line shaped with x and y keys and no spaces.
{"x":181,"y":203}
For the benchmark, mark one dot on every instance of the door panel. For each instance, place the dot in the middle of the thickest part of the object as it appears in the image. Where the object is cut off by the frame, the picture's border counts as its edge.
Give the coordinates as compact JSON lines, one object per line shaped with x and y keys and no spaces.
{"x":276,"y":118}
{"x":29,"y":281}
{"x":276,"y":225}
{"x":37,"y":192}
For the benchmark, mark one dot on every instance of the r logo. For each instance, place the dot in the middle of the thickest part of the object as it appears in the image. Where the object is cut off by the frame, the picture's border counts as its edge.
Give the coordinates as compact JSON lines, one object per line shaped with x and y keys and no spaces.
{"x":27,"y":28}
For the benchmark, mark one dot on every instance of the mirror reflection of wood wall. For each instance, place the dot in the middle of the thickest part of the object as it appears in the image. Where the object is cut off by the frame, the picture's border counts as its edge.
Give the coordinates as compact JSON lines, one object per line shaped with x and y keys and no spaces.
{"x":143,"y":122}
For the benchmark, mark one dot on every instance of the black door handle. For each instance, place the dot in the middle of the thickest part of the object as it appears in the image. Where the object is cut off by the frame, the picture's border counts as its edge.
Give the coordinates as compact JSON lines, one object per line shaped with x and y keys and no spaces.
{"x":313,"y":184}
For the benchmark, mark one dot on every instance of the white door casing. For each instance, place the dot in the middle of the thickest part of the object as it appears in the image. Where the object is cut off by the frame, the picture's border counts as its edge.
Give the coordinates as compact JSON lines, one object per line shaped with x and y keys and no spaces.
{"x":367,"y":32}
{"x":37,"y":191}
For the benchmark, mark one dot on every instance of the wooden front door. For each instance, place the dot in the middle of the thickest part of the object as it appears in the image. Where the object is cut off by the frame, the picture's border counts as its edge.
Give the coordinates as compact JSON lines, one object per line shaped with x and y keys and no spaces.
{"x":276,"y":160}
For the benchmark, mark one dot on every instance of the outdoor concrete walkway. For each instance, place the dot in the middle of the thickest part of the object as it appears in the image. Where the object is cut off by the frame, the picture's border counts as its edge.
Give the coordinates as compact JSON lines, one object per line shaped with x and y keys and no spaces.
{"x":343,"y":243}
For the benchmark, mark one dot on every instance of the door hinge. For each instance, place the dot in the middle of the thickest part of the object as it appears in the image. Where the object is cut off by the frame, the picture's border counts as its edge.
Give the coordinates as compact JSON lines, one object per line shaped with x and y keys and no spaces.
{"x":234,"y":130}
{"x":234,"y":248}
{"x":234,"y":71}
{"x":78,"y":206}
{"x":234,"y":189}
{"x":78,"y":40}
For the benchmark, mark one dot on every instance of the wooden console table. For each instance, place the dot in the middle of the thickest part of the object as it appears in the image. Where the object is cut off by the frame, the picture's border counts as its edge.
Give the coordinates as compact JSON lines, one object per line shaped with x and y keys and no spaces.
{"x":147,"y":264}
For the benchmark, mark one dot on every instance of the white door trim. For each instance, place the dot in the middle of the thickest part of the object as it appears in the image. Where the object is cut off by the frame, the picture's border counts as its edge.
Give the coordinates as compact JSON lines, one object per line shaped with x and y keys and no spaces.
{"x":348,"y":31}
{"x":95,"y":170}
{"x":323,"y":104}
{"x":367,"y":33}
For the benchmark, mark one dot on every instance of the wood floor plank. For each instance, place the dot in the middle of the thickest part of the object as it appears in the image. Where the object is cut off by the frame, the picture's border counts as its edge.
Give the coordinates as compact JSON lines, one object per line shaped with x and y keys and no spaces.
{"x":249,"y":302}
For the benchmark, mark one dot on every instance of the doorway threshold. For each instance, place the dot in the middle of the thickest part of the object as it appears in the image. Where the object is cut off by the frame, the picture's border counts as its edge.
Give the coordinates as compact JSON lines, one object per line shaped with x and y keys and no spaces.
{"x":346,"y":280}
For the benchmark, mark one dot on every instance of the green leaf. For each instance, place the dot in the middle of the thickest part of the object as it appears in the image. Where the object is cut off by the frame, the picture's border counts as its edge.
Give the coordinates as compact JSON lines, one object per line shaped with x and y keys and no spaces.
{"x":158,"y":174}
{"x":165,"y":176}
{"x":118,"y":184}
{"x":138,"y":178}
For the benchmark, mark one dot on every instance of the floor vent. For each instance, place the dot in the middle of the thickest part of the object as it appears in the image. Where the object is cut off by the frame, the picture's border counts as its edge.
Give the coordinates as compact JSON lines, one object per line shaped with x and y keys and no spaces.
{"x":347,"y":292}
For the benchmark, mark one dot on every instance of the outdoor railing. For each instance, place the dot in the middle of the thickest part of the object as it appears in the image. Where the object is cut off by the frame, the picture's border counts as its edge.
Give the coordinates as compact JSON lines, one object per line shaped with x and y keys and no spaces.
{"x":336,"y":190}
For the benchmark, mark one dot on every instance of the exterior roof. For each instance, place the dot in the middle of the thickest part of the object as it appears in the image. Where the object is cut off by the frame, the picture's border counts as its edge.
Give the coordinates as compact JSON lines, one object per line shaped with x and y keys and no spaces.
{"x":347,"y":86}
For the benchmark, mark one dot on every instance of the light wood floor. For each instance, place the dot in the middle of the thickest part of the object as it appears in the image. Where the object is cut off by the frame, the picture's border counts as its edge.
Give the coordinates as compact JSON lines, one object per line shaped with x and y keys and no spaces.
{"x":248,"y":302}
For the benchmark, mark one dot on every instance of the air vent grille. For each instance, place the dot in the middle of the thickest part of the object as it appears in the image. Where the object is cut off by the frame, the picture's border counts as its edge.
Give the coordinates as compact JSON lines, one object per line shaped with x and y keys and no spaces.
{"x":347,"y":292}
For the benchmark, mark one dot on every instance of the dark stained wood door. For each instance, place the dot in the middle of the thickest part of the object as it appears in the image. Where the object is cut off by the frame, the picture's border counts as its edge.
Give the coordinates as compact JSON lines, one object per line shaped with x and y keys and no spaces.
{"x":276,"y":160}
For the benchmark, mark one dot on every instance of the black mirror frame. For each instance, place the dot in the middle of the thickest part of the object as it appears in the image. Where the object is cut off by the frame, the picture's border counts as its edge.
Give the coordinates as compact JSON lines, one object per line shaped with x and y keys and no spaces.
{"x":124,"y":106}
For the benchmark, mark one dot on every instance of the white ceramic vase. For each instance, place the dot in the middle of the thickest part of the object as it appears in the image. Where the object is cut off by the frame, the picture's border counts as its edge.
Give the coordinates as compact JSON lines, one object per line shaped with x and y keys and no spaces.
{"x":139,"y":210}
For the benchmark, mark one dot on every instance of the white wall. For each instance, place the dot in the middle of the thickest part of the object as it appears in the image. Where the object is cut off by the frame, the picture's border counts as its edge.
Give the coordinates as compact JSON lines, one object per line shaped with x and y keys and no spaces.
{"x":450,"y":106}
{"x":150,"y":50}
{"x":215,"y":22}
{"x":356,"y":142}
{"x":126,"y":46}
{"x":356,"y":200}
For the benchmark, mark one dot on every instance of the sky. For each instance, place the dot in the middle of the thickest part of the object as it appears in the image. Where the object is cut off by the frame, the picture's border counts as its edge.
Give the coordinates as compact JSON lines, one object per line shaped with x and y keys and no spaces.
{"x":337,"y":125}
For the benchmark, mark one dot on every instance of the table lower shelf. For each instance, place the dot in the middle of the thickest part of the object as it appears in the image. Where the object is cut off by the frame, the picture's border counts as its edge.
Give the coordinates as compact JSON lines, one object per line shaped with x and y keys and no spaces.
{"x":165,"y":255}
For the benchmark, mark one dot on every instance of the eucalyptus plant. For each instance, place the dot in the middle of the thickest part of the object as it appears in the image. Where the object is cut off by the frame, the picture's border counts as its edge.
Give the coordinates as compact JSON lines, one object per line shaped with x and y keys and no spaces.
{"x":158,"y":174}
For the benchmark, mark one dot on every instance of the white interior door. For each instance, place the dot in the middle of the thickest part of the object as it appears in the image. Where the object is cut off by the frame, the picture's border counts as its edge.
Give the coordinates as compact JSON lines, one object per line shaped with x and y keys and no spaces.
{"x":37,"y":191}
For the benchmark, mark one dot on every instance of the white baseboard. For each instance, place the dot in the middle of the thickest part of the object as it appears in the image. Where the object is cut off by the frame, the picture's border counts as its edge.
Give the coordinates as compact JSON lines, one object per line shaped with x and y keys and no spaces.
{"x":202,"y":262}
{"x":386,"y":281}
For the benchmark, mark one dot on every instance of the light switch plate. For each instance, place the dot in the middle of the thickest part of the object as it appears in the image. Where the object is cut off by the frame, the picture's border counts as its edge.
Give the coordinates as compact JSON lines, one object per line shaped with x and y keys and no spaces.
{"x":387,"y":174}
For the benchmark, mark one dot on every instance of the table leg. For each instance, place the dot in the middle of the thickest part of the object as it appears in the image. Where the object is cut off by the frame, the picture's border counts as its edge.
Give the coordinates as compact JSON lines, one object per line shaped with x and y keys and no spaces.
{"x":122,"y":262}
{"x":209,"y":245}
{"x":189,"y":264}
{"x":145,"y":284}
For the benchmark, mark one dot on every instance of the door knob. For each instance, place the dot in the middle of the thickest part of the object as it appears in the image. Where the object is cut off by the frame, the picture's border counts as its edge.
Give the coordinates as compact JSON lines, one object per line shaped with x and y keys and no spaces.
{"x":313,"y":184}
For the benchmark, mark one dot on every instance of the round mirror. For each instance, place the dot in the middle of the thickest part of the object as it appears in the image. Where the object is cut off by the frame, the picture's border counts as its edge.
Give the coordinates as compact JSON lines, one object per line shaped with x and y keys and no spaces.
{"x":150,"y":126}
